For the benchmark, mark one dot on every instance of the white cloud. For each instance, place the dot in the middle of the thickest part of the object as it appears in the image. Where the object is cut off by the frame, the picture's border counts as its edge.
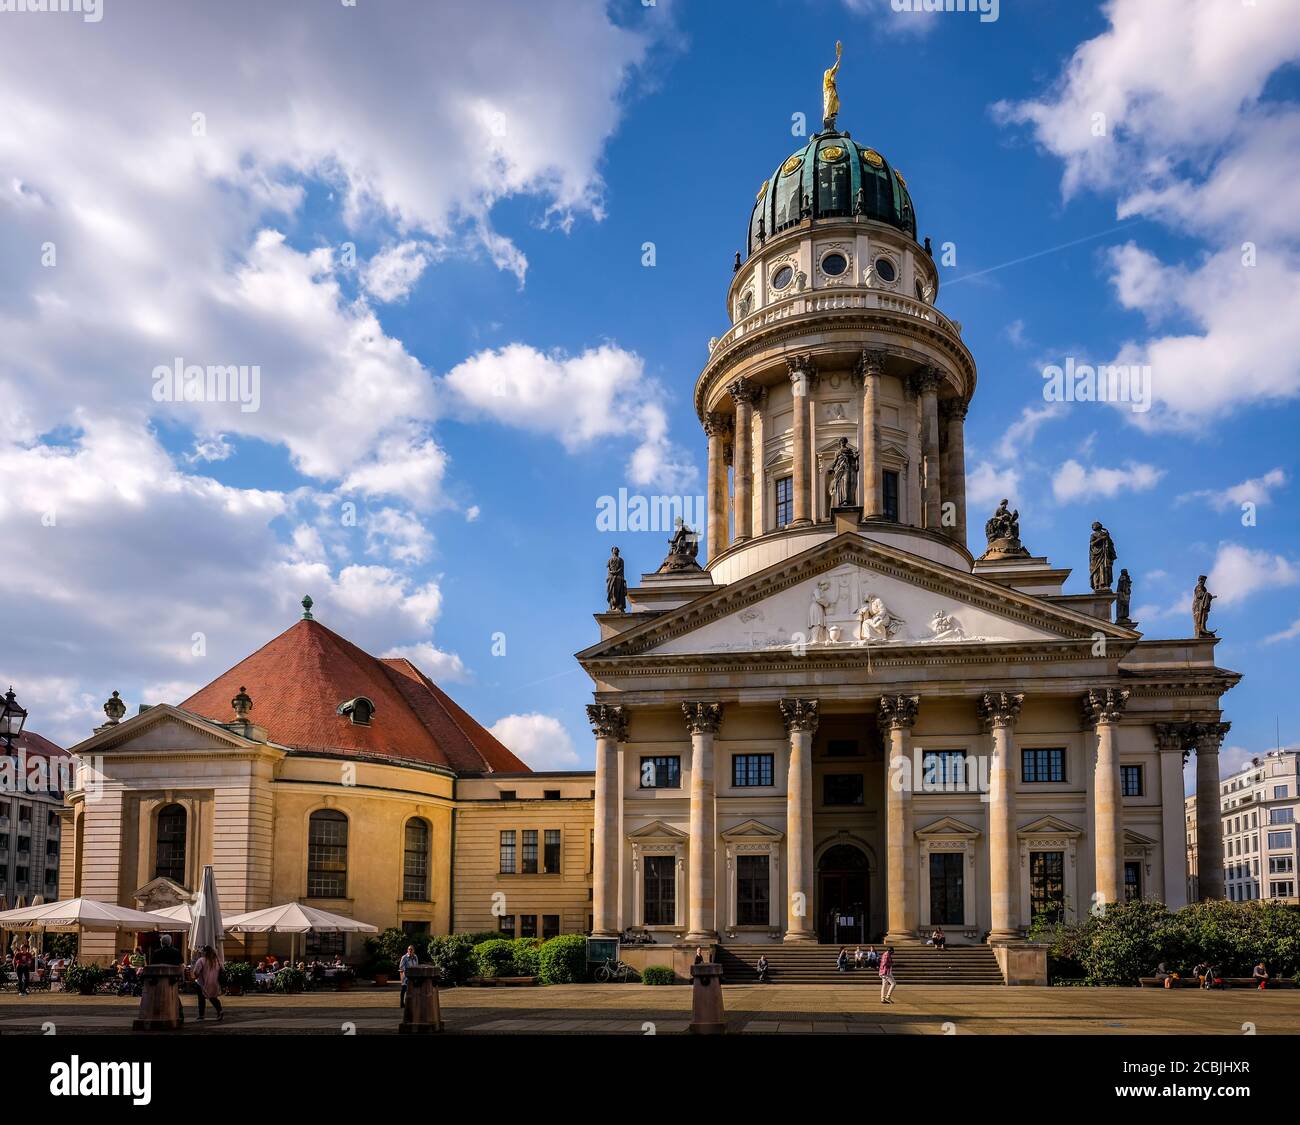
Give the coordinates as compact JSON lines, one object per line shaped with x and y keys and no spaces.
{"x":1239,"y":572}
{"x":398,"y":535}
{"x":1020,"y":434}
{"x":603,"y":392}
{"x":472,"y":513}
{"x":1290,"y":633}
{"x":1186,"y":139}
{"x":987,"y":483}
{"x":212,"y":448}
{"x":439,"y":666}
{"x":540,"y":740}
{"x":1073,"y":481}
{"x":392,"y":273}
{"x":1256,"y":490}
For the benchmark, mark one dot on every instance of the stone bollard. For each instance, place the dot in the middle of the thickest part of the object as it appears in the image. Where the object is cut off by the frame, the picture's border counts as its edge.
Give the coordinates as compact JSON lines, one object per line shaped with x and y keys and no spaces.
{"x":422,"y":1014}
{"x":707,"y":1017}
{"x":160,"y":998}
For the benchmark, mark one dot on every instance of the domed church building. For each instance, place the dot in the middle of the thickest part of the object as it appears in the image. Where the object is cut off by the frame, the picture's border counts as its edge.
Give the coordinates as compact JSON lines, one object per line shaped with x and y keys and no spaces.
{"x":844,"y":726}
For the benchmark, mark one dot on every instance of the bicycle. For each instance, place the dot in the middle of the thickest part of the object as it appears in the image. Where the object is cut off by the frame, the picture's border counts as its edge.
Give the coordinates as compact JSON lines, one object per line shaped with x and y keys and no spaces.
{"x":614,"y":969}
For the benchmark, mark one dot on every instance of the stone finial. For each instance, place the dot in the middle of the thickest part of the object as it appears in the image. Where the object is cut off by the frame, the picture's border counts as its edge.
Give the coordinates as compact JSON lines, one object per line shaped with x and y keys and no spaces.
{"x":307,"y":603}
{"x":114,"y":709}
{"x":702,"y":718}
{"x":242,"y":704}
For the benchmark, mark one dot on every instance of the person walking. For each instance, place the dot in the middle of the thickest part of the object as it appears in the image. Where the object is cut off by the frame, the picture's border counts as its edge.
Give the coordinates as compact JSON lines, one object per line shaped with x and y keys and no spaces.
{"x":207,"y":979}
{"x":887,"y":983}
{"x":23,"y":968}
{"x":409,"y":961}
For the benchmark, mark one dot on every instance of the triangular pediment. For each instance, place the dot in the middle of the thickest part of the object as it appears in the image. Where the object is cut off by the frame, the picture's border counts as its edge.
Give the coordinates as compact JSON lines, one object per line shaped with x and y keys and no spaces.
{"x":852,"y":594}
{"x":162,"y":727}
{"x":948,"y":826}
{"x":752,"y":831}
{"x":1137,"y":840}
{"x":1049,"y":826}
{"x":658,"y":830}
{"x":160,"y":893}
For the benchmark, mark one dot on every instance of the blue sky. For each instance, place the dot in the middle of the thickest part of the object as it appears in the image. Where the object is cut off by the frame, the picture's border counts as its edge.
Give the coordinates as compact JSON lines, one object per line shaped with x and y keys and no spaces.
{"x":497,"y":357}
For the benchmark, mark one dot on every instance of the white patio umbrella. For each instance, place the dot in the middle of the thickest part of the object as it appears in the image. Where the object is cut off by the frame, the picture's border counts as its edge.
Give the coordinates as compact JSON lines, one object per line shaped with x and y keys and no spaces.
{"x":205,"y":926}
{"x":294,"y":918}
{"x":85,"y":914}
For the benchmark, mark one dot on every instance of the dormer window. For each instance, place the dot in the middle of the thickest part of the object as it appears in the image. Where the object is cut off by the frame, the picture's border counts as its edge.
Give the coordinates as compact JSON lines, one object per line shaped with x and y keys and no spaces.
{"x":359,"y":710}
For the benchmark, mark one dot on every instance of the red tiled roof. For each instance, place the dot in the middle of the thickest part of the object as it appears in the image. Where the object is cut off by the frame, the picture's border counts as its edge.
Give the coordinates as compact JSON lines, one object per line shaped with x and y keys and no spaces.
{"x":35,"y":744}
{"x":297,"y":681}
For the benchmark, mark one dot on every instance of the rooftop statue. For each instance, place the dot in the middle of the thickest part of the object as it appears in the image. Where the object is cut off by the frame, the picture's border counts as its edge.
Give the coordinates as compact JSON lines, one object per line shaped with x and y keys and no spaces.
{"x":1101,"y":557}
{"x":830,"y":95}
{"x":682,"y":550}
{"x":1003,"y":533}
{"x":615,"y":583}
{"x":1201,"y":599}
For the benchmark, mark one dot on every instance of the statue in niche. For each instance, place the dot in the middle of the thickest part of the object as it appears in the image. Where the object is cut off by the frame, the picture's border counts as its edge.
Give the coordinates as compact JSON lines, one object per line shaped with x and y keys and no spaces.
{"x":945,"y":627}
{"x":822,"y":601}
{"x":683,"y":548}
{"x":844,"y":477}
{"x":1003,"y":533}
{"x":875,"y":621}
{"x":1124,"y":595}
{"x":1201,"y":599}
{"x":1101,"y":557}
{"x":615,"y":583}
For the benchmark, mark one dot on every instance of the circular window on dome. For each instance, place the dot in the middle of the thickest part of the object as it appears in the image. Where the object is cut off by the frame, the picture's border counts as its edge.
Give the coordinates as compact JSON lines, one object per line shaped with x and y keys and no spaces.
{"x":792,"y":165}
{"x":782,"y":278}
{"x":885,"y":270}
{"x":834,"y":264}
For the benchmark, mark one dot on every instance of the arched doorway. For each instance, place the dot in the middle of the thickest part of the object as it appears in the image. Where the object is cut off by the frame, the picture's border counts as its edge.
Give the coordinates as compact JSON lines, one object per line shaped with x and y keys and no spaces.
{"x":844,"y":895}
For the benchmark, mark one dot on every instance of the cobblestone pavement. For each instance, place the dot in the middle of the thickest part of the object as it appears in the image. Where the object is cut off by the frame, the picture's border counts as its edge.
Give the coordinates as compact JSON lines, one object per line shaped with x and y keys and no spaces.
{"x":634,"y":1009}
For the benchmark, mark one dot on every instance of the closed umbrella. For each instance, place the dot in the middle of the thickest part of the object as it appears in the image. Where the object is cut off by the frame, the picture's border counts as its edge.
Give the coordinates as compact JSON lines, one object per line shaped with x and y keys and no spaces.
{"x":205,"y":926}
{"x":295,"y":918}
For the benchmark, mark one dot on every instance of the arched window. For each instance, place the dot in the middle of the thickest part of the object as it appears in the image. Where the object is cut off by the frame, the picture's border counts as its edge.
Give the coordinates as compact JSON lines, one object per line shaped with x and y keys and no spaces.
{"x":415,"y":862}
{"x":327,"y":855}
{"x":169,"y":850}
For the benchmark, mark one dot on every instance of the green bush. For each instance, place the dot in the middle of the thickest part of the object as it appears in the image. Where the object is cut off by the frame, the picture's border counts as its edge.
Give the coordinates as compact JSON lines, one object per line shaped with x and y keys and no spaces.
{"x":495,"y":958}
{"x":382,"y":967}
{"x":658,"y":974}
{"x":83,"y":978}
{"x":563,"y":960}
{"x":239,"y":975}
{"x":387,"y":946}
{"x":478,"y":937}
{"x":453,"y":957}
{"x":527,"y":955}
{"x":61,"y":945}
{"x":290,"y":980}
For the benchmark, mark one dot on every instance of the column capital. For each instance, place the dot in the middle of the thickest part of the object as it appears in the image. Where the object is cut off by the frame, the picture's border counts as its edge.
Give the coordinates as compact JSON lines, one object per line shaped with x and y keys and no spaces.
{"x":799,"y":714}
{"x":1171,"y":737}
{"x":1105,"y":705}
{"x":702,"y":718}
{"x":927,"y":380}
{"x":1000,"y":709}
{"x":1208,"y":737}
{"x":742,"y":390}
{"x":717,"y":425}
{"x":608,"y":720}
{"x":954,"y":409}
{"x":897,"y":712}
{"x":800,"y":367}
{"x":870,"y":362}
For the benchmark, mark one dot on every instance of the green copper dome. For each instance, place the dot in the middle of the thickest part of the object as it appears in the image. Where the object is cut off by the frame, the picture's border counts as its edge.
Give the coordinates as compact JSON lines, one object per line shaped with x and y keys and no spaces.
{"x":832,"y":176}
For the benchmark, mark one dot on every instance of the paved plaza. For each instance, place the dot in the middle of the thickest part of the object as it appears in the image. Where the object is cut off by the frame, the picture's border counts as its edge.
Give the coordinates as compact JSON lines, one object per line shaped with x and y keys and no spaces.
{"x":751,"y":1009}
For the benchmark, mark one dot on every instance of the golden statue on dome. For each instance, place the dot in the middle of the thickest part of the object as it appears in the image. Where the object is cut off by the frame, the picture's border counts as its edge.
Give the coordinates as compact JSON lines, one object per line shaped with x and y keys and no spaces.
{"x":830,"y":95}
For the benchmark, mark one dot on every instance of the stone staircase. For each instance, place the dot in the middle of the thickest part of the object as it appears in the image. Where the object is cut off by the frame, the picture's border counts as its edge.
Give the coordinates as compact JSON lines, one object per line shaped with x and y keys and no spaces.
{"x":815,"y":964}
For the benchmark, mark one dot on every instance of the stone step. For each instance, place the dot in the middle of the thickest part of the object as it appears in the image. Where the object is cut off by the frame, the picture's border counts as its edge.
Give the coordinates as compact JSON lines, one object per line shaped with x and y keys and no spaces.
{"x":815,"y":964}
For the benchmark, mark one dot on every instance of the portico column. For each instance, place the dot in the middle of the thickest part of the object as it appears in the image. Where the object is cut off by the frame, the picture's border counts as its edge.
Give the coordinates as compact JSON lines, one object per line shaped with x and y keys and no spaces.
{"x":1170,"y":744}
{"x":1207,"y":738}
{"x":1102,"y":709}
{"x":800,"y":717}
{"x":609,"y":724}
{"x":801,"y":376}
{"x":715,"y":425}
{"x":1000,"y":711}
{"x":954,"y":466}
{"x":702,"y":720}
{"x":927,"y":387}
{"x":743,"y":393}
{"x":896,"y":717}
{"x":871,"y":367}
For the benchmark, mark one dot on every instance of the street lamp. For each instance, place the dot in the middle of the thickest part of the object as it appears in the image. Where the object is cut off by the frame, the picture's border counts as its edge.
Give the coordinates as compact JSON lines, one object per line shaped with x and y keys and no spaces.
{"x":12,"y":718}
